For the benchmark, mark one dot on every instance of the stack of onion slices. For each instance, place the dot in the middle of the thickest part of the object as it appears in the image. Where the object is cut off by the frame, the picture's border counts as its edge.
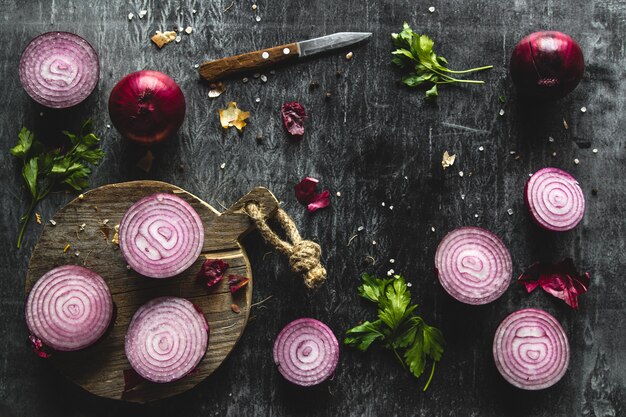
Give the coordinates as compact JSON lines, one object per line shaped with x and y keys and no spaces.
{"x":166,"y":339}
{"x":306,"y":352}
{"x":531,"y":350}
{"x":161,"y":236}
{"x":473,"y":264}
{"x":69,"y":308}
{"x":554,"y":199}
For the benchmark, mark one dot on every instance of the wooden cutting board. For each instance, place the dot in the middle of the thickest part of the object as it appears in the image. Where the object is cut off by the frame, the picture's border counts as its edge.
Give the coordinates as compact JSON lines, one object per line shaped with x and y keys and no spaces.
{"x":99,"y":368}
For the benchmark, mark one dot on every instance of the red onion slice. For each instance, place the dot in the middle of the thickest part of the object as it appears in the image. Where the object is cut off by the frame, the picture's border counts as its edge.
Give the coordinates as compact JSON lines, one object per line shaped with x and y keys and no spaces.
{"x":166,"y":339}
{"x":531,"y":350}
{"x":69,"y":308}
{"x":59,"y":69}
{"x":306,"y":352}
{"x":554,"y":199}
{"x":161,"y":235}
{"x":474,"y":266}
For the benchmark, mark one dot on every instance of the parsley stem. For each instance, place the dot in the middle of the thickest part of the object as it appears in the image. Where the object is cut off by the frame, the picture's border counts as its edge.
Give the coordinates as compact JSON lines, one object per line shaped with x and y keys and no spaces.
{"x":466,"y":71}
{"x":430,"y":378}
{"x":26,"y":219}
{"x":399,"y":358}
{"x":450,"y":79}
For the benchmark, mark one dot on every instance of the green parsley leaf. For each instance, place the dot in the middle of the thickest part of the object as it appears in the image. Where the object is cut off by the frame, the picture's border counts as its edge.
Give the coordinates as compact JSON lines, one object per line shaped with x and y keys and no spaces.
{"x":398,"y":329}
{"x":44,"y":169}
{"x":416,"y":52}
{"x":24,"y":142}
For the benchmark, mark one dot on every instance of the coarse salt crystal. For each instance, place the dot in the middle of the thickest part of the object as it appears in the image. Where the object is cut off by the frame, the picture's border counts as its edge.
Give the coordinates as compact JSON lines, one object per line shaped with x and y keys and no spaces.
{"x":501,"y":113}
{"x":254,"y":7}
{"x":264,"y":78}
{"x":258,"y":18}
{"x":360,"y":228}
{"x":476,"y":215}
{"x":178,"y":39}
{"x":142,"y":13}
{"x":77,"y":253}
{"x":244,"y":80}
{"x":431,"y":9}
{"x":510,"y":211}
{"x":196,"y":65}
{"x":462,"y":196}
{"x":408,"y":284}
{"x":349,"y":55}
{"x":550,"y":139}
{"x":52,"y":222}
{"x":82,"y":227}
{"x":390,"y":207}
{"x":223,"y":165}
{"x":481,"y":148}
{"x":595,"y":150}
{"x":105,"y":221}
{"x":382,"y":204}
{"x":461,"y":173}
{"x":338,"y":193}
{"x":391,"y":261}
{"x":257,"y":100}
{"x":188,"y":30}
{"x":390,"y":272}
{"x":194,"y":11}
{"x":432,"y":229}
{"x":583,"y":109}
{"x":130,"y":16}
{"x":576,"y":161}
{"x":373,"y":242}
{"x":553,"y":153}
{"x":108,"y":126}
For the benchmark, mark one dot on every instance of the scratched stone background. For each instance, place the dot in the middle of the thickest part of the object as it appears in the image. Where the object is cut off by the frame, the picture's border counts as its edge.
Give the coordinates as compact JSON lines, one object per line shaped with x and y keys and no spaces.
{"x":374,"y":142}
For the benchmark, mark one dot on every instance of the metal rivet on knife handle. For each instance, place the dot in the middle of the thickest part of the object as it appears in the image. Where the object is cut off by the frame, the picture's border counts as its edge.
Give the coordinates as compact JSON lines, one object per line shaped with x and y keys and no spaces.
{"x":226,"y":67}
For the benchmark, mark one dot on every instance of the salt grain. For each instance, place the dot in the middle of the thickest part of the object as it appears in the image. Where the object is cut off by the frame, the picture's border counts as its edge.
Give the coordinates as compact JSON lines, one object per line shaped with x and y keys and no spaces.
{"x":52,"y":222}
{"x":576,"y":161}
{"x":77,"y":253}
{"x":583,"y":109}
{"x":431,"y":9}
{"x":476,"y":215}
{"x":462,"y":196}
{"x":82,"y":227}
{"x":245,"y":80}
{"x":338,"y":193}
{"x":408,"y":284}
{"x":595,"y":150}
{"x":178,"y":39}
{"x":373,"y":242}
{"x":510,"y":211}
{"x":432,"y":229}
{"x":390,"y":272}
{"x":223,"y":165}
{"x":460,"y":173}
{"x":108,"y":126}
{"x":391,"y":261}
{"x":390,"y":207}
{"x":196,"y":66}
{"x":254,"y":7}
{"x":194,"y":11}
{"x":130,"y":16}
{"x":349,"y":55}
{"x":105,"y":221}
{"x":360,"y":228}
{"x":258,"y":18}
{"x":550,"y":139}
{"x":256,"y":75}
{"x":501,"y":113}
{"x":188,"y":30}
{"x":553,"y":153}
{"x":264,"y":78}
{"x":382,"y":204}
{"x":142,"y":13}
{"x":481,"y":148}
{"x":257,"y":100}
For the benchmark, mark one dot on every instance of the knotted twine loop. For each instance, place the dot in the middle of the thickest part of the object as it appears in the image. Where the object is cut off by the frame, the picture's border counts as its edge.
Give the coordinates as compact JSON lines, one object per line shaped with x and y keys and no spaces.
{"x":304,"y":255}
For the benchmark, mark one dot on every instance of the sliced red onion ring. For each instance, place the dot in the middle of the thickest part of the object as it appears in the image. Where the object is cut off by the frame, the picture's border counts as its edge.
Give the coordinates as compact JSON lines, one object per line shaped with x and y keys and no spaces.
{"x":473,"y":265}
{"x":59,"y":69}
{"x":69,"y":308}
{"x":531,"y":350}
{"x":166,"y":339}
{"x":161,"y":235}
{"x":306,"y":352}
{"x":555,"y":200}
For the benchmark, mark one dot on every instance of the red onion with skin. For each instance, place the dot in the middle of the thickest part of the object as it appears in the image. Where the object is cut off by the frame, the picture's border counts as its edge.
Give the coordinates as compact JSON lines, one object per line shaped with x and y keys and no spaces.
{"x":473,"y":264}
{"x":59,"y":69}
{"x":554,"y":199}
{"x":306,"y":352}
{"x":547,"y":65}
{"x":166,"y":339}
{"x":147,"y":107}
{"x":531,"y":349}
{"x":161,"y":236}
{"x":69,"y":308}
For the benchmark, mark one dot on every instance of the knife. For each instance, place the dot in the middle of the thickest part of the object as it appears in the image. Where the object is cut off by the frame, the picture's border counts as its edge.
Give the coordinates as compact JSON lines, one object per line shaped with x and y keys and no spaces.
{"x":225,"y":67}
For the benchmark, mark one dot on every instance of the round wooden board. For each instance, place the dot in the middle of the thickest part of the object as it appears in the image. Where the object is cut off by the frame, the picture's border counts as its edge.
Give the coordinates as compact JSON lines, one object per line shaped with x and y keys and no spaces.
{"x":100,"y":368}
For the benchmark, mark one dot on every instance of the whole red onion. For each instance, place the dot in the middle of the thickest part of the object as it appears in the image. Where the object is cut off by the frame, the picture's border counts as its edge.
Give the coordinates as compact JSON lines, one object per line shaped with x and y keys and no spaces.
{"x":547,"y":65}
{"x":147,"y":107}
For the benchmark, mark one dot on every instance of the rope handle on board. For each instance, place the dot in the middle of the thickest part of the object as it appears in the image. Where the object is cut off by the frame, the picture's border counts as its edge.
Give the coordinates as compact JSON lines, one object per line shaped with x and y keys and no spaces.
{"x":304,"y":255}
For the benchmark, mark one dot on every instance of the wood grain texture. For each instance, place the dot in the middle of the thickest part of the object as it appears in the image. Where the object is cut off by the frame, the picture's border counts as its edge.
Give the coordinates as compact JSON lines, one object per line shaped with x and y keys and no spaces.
{"x":374,"y":141}
{"x":251,"y":61}
{"x":100,"y":368}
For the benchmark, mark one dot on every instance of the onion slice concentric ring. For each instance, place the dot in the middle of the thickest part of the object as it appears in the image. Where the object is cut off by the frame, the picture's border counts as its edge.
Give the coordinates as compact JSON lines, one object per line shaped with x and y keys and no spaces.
{"x":306,"y":352}
{"x":473,"y":264}
{"x":59,"y":69}
{"x":69,"y":308}
{"x":555,"y":200}
{"x":531,"y":350}
{"x":161,"y":235}
{"x":166,"y":339}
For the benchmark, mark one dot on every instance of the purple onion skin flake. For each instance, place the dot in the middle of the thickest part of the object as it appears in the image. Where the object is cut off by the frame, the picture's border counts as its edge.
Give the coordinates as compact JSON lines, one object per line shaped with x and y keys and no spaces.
{"x":306,"y":352}
{"x":59,"y":69}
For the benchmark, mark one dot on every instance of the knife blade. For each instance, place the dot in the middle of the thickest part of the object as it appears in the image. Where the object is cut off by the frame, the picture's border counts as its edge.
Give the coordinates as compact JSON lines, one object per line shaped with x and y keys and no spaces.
{"x":225,"y":67}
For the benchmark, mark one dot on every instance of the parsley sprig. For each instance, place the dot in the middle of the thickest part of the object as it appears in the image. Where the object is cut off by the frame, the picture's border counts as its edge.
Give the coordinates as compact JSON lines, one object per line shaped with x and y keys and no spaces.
{"x":416,"y":52}
{"x":44,"y":169}
{"x":412,"y":340}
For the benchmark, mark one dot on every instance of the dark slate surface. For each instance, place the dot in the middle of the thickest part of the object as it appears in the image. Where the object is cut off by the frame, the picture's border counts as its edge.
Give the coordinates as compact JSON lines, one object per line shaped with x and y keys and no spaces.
{"x":374,"y":142}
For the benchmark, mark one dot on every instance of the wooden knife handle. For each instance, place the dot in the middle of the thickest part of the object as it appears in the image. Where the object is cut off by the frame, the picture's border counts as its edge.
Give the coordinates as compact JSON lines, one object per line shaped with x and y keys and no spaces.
{"x":225,"y":67}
